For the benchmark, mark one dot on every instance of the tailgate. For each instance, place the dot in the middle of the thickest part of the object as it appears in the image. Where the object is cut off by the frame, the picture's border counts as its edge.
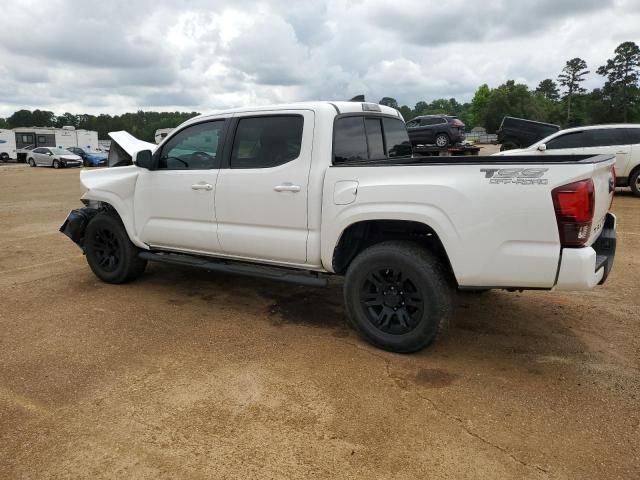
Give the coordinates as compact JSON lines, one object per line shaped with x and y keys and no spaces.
{"x":604,"y":187}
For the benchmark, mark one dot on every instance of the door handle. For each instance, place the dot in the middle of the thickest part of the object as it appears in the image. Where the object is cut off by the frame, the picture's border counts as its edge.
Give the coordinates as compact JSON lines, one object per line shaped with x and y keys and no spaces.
{"x":287,"y":187}
{"x":202,"y":186}
{"x":621,"y":152}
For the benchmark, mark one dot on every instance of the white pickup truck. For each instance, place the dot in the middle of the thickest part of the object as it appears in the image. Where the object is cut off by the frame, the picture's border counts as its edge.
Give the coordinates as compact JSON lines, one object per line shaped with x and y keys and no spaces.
{"x":302,"y":191}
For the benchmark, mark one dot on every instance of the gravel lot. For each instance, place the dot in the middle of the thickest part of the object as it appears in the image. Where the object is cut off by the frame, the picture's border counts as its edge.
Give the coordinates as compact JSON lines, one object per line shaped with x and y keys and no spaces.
{"x":185,"y":374}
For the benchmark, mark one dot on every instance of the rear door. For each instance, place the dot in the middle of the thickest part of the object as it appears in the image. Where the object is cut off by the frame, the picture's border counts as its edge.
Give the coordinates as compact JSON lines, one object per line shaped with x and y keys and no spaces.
{"x":261,"y":198}
{"x":41,"y":156}
{"x":609,"y":141}
{"x":631,"y":137}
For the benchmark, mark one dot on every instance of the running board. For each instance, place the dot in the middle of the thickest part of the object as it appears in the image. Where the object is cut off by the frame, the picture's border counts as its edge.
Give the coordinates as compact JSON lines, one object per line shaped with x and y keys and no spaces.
{"x":238,"y":268}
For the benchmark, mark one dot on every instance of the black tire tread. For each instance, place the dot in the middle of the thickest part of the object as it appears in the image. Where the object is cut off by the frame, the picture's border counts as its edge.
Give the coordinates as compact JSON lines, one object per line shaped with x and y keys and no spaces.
{"x":442,"y":290}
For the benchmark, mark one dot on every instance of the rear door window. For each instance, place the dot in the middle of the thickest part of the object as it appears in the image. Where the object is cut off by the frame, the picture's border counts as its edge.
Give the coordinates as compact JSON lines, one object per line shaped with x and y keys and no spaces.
{"x":603,"y":137}
{"x":631,"y":136}
{"x":267,"y":141}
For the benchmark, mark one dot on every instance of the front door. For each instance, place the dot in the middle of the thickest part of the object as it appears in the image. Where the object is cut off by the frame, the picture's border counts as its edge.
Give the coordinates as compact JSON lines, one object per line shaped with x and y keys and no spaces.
{"x":261,"y":199}
{"x":174,"y":204}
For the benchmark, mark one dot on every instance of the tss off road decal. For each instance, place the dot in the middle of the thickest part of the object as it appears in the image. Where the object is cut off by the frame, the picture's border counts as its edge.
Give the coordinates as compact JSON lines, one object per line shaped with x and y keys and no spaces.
{"x":519,"y":176}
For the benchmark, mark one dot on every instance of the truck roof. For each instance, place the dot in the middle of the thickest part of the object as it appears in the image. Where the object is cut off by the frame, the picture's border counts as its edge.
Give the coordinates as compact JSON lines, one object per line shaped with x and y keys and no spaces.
{"x":336,"y":107}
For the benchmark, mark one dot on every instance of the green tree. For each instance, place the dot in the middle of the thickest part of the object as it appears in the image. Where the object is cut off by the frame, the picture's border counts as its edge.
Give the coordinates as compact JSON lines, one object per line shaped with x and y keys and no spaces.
{"x":21,"y":118}
{"x":479,"y":105}
{"x":548,"y":89}
{"x":572,"y":75}
{"x":622,"y":77}
{"x":4,"y":123}
{"x":406,"y":112}
{"x":389,"y":102}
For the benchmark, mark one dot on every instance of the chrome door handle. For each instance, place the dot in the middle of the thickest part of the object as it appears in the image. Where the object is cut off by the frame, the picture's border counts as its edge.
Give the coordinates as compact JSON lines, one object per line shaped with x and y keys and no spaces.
{"x":202,"y":186}
{"x":287,"y":187}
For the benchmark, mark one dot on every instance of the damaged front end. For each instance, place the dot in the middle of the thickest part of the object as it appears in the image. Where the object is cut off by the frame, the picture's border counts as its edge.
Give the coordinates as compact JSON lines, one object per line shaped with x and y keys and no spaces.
{"x":76,"y":224}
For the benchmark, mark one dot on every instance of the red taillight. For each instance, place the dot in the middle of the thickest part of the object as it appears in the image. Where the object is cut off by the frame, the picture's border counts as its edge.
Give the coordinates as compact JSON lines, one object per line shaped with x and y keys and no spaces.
{"x":456,"y":123}
{"x":574,"y":205}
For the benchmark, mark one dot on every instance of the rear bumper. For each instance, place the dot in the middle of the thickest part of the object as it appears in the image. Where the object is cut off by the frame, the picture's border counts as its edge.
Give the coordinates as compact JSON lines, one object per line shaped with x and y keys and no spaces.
{"x":584,"y":268}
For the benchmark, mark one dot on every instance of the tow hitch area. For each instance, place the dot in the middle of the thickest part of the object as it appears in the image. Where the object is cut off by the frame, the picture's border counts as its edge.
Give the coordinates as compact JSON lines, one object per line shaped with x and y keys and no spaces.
{"x":76,"y":223}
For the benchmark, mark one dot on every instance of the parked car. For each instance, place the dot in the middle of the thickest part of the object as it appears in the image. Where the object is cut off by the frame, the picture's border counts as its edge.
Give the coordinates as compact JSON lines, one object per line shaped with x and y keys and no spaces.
{"x":90,"y":158}
{"x":520,"y":132}
{"x":53,"y":157}
{"x":621,"y":140}
{"x":300,"y":192}
{"x":440,"y":130}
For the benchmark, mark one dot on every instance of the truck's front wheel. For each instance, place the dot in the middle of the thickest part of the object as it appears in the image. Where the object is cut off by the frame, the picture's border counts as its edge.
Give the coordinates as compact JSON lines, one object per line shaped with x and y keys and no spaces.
{"x":110,"y":253}
{"x":397,"y":296}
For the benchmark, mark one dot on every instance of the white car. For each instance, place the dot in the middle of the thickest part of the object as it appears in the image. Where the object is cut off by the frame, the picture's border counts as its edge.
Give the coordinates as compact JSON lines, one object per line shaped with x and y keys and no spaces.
{"x":621,"y":140}
{"x":53,"y":157}
{"x":302,"y":191}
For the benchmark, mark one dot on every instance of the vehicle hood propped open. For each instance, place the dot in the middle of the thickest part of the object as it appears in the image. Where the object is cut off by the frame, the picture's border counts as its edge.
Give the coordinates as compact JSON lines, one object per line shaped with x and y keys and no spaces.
{"x":124,"y":146}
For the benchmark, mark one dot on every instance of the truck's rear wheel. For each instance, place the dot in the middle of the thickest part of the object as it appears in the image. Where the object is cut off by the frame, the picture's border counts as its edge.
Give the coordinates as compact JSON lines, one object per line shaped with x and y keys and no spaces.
{"x":397,"y":296}
{"x":110,"y":253}
{"x":634,"y":182}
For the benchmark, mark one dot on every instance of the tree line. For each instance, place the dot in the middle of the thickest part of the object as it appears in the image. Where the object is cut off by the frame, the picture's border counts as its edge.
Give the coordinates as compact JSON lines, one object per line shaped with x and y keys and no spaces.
{"x":140,"y":124}
{"x":562,"y":100}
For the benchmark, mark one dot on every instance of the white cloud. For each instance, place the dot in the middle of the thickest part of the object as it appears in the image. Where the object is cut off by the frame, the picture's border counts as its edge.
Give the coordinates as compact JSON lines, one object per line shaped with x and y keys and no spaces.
{"x":124,"y":55}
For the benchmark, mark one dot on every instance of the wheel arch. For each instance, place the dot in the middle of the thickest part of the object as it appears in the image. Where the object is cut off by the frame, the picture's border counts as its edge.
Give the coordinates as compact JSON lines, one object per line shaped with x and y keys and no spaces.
{"x":108,"y":201}
{"x":362,"y":234}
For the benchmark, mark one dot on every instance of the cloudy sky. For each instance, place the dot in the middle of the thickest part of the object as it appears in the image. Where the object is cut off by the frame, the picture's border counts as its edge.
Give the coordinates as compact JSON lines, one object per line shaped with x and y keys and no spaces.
{"x":123,"y":55}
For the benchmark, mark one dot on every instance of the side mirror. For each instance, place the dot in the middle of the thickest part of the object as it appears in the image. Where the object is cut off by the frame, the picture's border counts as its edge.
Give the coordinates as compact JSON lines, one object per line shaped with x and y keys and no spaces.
{"x":542,"y":147}
{"x":143,"y":159}
{"x":50,"y":154}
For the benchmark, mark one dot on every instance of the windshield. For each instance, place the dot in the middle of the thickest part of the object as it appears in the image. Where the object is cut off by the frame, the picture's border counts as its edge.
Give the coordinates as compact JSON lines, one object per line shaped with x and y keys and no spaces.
{"x":60,"y":151}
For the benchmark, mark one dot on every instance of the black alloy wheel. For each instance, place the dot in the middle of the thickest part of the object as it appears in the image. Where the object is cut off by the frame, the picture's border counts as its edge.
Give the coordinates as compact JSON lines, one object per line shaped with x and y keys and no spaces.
{"x":107,"y":249}
{"x":391,"y":300}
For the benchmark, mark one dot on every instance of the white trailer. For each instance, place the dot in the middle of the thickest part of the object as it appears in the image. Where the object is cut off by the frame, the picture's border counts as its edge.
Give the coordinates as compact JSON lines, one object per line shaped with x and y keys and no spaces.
{"x":28,"y":138}
{"x":7,"y":145}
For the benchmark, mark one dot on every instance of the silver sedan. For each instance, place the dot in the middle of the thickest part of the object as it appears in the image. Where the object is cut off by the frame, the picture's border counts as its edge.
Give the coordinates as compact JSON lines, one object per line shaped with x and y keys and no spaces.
{"x":53,"y":157}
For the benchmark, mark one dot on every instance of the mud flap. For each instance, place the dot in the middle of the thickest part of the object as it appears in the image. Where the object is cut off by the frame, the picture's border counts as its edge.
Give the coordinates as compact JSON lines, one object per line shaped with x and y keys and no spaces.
{"x":76,"y":224}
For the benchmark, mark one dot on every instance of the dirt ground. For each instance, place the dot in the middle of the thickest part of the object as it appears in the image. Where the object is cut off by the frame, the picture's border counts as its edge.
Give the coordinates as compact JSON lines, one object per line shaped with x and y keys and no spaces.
{"x":188,"y":374}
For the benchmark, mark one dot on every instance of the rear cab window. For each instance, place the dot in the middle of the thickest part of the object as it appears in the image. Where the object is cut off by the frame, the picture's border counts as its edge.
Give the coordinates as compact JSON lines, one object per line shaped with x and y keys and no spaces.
{"x":362,"y":138}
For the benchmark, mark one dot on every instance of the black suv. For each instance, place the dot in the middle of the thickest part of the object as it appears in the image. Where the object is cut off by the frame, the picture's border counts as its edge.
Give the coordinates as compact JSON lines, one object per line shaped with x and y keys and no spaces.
{"x":441,"y":130}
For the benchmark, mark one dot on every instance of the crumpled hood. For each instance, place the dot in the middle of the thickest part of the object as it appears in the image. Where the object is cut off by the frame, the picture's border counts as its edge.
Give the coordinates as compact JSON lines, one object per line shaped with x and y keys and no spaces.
{"x":70,"y":157}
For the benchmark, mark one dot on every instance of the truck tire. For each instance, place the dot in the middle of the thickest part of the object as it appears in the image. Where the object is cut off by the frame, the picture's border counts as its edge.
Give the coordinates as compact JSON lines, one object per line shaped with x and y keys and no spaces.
{"x":397,"y":296}
{"x":110,"y":253}
{"x":4,"y":157}
{"x":634,"y":182}
{"x":442,"y":140}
